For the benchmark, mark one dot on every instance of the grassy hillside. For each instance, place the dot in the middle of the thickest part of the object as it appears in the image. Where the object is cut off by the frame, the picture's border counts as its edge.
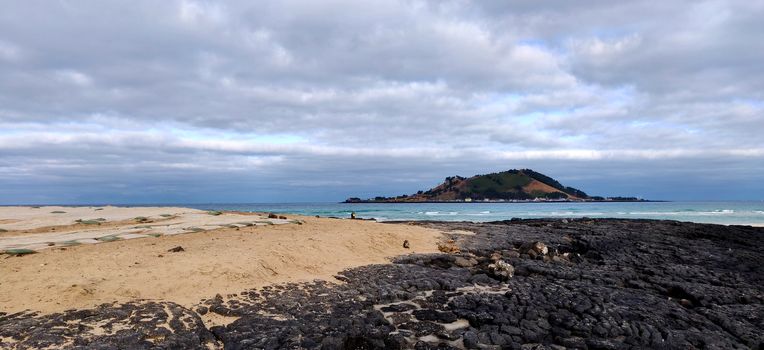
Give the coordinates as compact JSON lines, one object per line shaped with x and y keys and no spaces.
{"x":523,"y":184}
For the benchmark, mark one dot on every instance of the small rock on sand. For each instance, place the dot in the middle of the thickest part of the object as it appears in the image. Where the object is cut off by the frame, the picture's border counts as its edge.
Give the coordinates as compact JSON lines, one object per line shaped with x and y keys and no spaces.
{"x":406,"y":244}
{"x":177,"y":249}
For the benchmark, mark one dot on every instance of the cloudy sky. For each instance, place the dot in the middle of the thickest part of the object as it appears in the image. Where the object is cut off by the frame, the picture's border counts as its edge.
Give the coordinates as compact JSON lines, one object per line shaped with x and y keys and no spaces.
{"x":241,"y":101}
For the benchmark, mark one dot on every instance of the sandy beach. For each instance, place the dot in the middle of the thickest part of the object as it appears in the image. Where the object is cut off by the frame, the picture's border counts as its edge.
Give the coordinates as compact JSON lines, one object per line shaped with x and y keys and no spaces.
{"x":236,"y":251}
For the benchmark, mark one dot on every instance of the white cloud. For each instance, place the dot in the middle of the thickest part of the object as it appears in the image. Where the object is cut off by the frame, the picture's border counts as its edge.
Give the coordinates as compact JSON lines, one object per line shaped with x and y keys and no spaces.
{"x":74,"y":77}
{"x":401,"y":87}
{"x":196,"y":12}
{"x":9,"y":52}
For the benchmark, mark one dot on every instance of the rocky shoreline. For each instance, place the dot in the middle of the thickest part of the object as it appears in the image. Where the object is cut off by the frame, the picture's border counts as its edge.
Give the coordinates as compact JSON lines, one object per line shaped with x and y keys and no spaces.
{"x":520,"y":284}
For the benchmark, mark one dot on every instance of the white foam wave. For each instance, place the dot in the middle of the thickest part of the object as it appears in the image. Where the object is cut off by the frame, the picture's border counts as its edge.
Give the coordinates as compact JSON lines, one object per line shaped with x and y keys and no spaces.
{"x":563,"y":213}
{"x":654,"y":213}
{"x":685,"y":212}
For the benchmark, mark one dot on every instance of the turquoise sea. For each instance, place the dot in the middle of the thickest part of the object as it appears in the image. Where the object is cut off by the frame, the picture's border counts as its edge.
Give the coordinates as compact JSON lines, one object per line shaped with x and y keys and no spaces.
{"x":718,"y":212}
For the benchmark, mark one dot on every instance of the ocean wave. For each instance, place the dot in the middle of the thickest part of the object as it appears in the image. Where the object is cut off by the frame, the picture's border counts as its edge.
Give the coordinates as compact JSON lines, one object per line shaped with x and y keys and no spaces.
{"x":717,"y":212}
{"x":564,"y":213}
{"x":685,"y":212}
{"x":655,"y":213}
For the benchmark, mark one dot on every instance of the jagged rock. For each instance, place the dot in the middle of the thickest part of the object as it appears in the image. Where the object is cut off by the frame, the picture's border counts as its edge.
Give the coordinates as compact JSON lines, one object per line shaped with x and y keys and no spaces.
{"x":406,"y":244}
{"x":465,"y":262}
{"x":398,"y":307}
{"x":502,"y":270}
{"x":177,"y":249}
{"x":272,"y":216}
{"x":433,"y":315}
{"x":449,"y":247}
{"x":534,"y":248}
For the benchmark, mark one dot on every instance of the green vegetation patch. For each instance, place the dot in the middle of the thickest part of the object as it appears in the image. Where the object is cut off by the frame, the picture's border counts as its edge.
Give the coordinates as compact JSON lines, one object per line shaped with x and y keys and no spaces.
{"x":195,"y":229}
{"x":141,"y":219}
{"x":69,"y":243}
{"x":155,"y":235}
{"x":19,"y":252}
{"x":57,"y":212}
{"x":108,"y":238}
{"x":166,"y":215}
{"x":3,"y":230}
{"x":215,"y":212}
{"x":88,"y":222}
{"x":499,"y":182}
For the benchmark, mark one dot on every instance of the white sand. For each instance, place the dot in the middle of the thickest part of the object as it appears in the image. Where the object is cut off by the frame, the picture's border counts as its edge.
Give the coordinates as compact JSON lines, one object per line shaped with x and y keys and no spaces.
{"x":40,"y":228}
{"x":25,"y":218}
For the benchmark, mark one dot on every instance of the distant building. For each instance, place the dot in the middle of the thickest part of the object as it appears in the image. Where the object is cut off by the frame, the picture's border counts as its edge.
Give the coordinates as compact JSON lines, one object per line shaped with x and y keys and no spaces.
{"x":468,"y":199}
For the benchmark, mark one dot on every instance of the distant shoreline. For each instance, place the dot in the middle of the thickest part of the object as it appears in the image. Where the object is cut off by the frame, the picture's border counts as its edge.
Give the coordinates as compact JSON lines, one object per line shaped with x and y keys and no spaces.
{"x":504,"y":202}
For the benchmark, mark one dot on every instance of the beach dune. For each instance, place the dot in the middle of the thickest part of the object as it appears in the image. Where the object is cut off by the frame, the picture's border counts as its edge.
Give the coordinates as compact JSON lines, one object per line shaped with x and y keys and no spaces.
{"x":223,"y":259}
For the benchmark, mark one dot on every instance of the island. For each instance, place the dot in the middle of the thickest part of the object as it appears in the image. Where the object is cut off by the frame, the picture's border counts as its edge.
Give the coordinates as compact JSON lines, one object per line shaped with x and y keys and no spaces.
{"x":515,"y":185}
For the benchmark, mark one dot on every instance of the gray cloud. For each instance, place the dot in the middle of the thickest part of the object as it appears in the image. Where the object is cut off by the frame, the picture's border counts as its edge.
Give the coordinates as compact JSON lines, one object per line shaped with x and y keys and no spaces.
{"x":292,"y":98}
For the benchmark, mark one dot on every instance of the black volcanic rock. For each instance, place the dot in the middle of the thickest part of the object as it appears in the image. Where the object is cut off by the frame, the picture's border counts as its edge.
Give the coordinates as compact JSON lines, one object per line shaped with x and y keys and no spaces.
{"x":602,"y":284}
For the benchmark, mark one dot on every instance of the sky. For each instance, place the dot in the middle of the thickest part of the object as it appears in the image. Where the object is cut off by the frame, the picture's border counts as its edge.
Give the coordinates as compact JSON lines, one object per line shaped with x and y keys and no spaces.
{"x":185,"y":101}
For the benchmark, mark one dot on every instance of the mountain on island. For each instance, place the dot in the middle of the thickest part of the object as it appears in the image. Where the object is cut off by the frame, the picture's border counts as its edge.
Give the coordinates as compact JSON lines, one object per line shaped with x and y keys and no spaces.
{"x":510,"y":185}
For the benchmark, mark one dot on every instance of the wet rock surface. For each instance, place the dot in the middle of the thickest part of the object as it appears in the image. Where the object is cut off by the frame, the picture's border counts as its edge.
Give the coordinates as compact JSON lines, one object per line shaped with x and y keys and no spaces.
{"x":589,"y":284}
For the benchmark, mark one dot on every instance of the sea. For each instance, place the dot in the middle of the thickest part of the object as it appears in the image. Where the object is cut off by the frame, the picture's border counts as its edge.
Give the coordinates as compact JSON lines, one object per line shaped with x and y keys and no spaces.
{"x":715,"y":212}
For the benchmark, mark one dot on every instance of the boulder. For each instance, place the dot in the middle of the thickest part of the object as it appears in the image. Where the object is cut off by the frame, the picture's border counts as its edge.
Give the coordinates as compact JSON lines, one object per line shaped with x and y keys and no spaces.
{"x":448,"y":247}
{"x":534,"y":248}
{"x":502,"y":270}
{"x":465,"y":262}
